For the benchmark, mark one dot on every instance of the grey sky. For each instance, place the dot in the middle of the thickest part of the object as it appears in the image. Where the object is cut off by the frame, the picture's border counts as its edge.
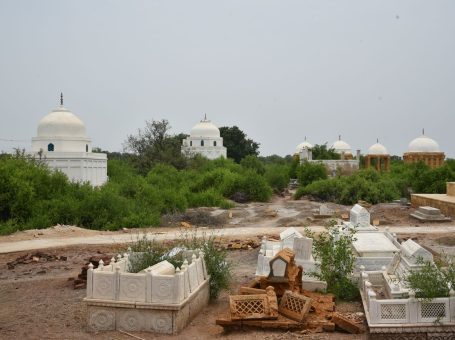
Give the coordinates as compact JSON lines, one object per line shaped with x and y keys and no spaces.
{"x":280,"y":70}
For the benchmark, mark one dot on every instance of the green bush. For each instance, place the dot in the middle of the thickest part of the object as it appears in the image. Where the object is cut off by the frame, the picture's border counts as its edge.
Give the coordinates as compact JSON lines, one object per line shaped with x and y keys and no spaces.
{"x":308,"y":172}
{"x":277,"y":176}
{"x":333,"y":250}
{"x":253,"y":163}
{"x":149,"y":252}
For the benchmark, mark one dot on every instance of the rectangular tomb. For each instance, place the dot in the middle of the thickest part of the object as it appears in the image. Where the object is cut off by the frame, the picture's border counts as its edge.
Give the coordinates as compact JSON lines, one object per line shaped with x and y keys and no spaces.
{"x":161,"y":299}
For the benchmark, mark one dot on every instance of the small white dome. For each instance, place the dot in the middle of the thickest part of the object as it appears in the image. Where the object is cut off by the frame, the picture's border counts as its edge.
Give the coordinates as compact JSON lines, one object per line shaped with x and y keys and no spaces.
{"x":341,"y":146}
{"x":205,"y":128}
{"x":423,"y":144}
{"x":61,"y":123}
{"x":377,"y":149}
{"x":303,"y":145}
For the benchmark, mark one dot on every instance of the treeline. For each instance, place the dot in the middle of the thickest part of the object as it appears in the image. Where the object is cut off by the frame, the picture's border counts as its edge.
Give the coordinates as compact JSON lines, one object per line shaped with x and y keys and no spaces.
{"x":373,"y":186}
{"x":33,"y":196}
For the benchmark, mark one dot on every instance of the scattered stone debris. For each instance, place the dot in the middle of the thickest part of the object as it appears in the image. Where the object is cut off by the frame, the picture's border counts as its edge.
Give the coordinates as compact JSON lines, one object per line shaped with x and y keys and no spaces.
{"x":254,"y":306}
{"x":295,"y":306}
{"x":35,"y":257}
{"x":284,"y":273}
{"x":203,"y":217}
{"x":81,"y":281}
{"x":350,"y":325}
{"x":242,"y":244}
{"x":323,"y":212}
{"x":270,"y":213}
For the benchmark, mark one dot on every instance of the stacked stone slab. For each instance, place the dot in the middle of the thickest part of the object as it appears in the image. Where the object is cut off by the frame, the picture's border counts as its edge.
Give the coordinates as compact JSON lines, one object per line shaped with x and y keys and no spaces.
{"x":429,"y":214}
{"x":161,"y":299}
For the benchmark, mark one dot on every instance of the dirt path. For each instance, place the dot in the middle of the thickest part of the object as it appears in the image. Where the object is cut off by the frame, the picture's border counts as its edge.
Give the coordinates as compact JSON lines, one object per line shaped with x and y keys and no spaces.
{"x":171,"y":234}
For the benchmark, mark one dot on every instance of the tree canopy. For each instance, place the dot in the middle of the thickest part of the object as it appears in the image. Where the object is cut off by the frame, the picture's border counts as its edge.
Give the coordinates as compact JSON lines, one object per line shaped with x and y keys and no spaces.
{"x":154,"y":145}
{"x":237,"y":143}
{"x":321,"y":151}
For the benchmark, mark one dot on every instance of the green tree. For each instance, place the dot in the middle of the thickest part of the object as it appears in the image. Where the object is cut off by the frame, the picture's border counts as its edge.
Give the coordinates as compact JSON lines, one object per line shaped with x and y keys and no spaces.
{"x":154,"y":145}
{"x":320,"y":152}
{"x":253,"y":163}
{"x":309,"y":172}
{"x":237,"y":143}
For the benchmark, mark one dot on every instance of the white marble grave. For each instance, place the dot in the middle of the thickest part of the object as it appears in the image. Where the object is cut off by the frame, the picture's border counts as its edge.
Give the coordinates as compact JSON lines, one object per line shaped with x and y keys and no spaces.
{"x":160,"y":299}
{"x":359,"y":217}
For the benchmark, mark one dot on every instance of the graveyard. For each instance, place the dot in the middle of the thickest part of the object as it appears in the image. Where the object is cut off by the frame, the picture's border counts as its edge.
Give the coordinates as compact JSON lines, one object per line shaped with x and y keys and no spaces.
{"x":38,"y":284}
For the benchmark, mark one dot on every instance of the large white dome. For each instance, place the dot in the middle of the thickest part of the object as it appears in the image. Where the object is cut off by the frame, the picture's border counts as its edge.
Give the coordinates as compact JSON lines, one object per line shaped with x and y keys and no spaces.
{"x":61,"y":123}
{"x":341,"y":146}
{"x":205,"y":128}
{"x":377,"y":149}
{"x":303,"y":145}
{"x":423,"y":144}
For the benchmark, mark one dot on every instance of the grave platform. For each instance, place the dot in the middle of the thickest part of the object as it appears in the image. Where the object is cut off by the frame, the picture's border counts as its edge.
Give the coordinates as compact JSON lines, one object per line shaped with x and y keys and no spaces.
{"x":429,"y":214}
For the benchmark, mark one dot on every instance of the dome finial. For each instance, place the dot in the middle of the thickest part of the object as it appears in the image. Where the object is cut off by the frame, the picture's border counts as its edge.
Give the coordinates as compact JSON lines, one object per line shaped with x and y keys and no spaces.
{"x":61,"y":98}
{"x":339,"y":137}
{"x":423,"y":131}
{"x":305,"y":138}
{"x":205,"y":116}
{"x":377,"y":140}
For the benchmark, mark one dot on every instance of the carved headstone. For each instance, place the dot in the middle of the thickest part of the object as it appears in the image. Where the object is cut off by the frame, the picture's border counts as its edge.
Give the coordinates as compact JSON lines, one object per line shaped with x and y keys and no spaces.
{"x":411,"y":249}
{"x":359,"y":217}
{"x":303,"y":248}
{"x":287,"y":237}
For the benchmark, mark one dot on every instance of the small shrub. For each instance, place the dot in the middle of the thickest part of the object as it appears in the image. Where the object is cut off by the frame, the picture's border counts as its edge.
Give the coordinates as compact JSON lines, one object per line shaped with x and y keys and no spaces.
{"x":148,"y":252}
{"x":433,"y":280}
{"x":277,"y":176}
{"x":334,"y":252}
{"x":308,"y":172}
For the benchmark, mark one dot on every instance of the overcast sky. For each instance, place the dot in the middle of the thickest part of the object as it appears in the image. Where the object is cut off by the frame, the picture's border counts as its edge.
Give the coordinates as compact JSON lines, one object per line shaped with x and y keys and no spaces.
{"x":280,"y":70}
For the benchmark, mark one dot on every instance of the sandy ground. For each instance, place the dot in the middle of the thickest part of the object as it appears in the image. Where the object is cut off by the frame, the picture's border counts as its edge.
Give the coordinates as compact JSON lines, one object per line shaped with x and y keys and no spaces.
{"x":37,"y":300}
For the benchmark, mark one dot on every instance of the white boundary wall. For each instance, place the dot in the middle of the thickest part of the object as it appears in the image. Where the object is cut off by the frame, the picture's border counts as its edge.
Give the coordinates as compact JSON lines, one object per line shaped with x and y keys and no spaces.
{"x":409,"y":311}
{"x":113,"y":283}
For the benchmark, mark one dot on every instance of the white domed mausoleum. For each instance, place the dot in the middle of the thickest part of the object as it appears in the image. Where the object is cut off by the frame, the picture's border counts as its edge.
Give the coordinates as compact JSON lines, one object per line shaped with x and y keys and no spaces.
{"x":342,"y":148}
{"x":62,"y":143}
{"x":426,"y":150}
{"x":378,"y":156}
{"x":304,"y":145}
{"x":205,"y":140}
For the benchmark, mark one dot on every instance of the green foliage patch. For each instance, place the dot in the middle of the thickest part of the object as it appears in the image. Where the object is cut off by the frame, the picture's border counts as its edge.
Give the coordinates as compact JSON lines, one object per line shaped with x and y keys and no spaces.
{"x":33,"y":196}
{"x":333,"y":250}
{"x":373,"y":186}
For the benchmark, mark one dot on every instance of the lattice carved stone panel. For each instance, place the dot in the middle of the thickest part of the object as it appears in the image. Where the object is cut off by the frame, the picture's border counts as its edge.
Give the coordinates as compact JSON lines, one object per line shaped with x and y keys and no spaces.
{"x":248,"y":306}
{"x":295,"y":306}
{"x":393,"y":311}
{"x":433,"y":310}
